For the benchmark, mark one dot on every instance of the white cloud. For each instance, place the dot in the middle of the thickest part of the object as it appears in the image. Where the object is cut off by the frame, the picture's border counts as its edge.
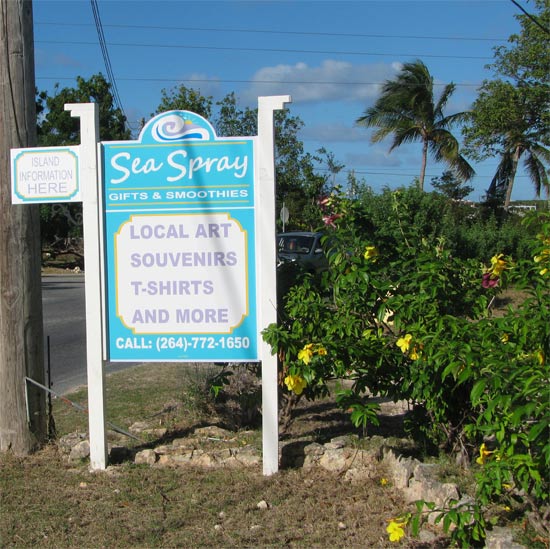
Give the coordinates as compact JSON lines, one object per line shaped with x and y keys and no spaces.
{"x":66,"y":60}
{"x":46,"y":59}
{"x":205,"y":84}
{"x":334,"y":132}
{"x":376,"y":157}
{"x":344,"y":81}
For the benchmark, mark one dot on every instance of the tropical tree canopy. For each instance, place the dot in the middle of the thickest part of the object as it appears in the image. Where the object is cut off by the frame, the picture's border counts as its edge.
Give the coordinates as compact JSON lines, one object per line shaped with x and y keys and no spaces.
{"x":511,"y":117}
{"x":57,"y":127}
{"x":183,"y":98}
{"x":298,"y":185}
{"x":408,"y":110}
{"x":59,"y":223}
{"x":451,"y":187}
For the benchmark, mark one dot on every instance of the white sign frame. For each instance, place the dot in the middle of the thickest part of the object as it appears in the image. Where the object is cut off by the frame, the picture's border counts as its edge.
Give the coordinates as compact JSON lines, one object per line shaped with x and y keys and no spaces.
{"x":87,"y":156}
{"x":266,"y":259}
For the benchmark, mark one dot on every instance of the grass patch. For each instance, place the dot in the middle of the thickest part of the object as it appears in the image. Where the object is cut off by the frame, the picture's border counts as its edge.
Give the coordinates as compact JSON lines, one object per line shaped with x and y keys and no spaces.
{"x":48,"y":502}
{"x":176,"y":393}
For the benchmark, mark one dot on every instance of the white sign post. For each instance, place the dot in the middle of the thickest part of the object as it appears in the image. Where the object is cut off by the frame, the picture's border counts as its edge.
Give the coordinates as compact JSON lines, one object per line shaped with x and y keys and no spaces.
{"x":89,"y":137}
{"x":268,"y":278}
{"x":70,"y":174}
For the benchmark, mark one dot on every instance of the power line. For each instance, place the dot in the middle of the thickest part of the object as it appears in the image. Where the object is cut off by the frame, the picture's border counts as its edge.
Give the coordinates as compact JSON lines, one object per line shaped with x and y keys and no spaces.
{"x":106,"y":59}
{"x":290,"y":33}
{"x":534,"y":19}
{"x":233,"y":81}
{"x":264,"y":50}
{"x":402,"y":174}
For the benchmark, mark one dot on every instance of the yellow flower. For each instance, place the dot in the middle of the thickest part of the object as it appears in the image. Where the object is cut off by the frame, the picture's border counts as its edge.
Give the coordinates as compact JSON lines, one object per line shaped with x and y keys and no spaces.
{"x":383,"y":481}
{"x":404,"y":343}
{"x":395,"y":530}
{"x":483,"y":454}
{"x":545,"y":258}
{"x":371,"y":253}
{"x":498,"y":265}
{"x":295,"y":383}
{"x":321,"y":351}
{"x":414,"y":354}
{"x":306,"y":353}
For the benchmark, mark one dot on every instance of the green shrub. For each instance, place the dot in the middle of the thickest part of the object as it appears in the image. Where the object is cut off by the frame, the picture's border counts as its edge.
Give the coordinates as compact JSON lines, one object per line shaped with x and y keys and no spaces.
{"x":401,"y":316}
{"x":468,"y":231}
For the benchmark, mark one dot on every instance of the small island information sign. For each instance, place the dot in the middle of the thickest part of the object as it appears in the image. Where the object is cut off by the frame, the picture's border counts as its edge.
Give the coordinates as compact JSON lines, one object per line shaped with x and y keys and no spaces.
{"x":48,"y":174}
{"x":180,"y":243}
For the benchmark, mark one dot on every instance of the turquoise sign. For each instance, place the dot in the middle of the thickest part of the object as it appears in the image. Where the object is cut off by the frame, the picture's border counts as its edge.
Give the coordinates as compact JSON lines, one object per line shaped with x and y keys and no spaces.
{"x":180,"y":243}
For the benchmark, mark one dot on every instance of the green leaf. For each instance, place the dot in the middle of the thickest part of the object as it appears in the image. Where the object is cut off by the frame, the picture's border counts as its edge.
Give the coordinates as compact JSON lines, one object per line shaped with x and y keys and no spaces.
{"x":477,"y":390}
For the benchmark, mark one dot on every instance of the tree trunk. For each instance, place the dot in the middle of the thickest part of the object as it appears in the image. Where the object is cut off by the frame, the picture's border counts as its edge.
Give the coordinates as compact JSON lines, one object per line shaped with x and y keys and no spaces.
{"x":22,"y":411}
{"x":423,"y":166}
{"x":511,"y":177}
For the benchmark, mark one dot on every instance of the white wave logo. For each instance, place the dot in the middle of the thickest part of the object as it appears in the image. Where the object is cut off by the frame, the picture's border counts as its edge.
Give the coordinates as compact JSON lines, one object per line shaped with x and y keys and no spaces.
{"x":176,"y":128}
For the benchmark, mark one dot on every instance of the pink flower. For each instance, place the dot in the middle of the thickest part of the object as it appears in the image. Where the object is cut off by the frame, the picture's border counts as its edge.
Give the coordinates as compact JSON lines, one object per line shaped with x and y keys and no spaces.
{"x":324,"y":202}
{"x":330,"y":219}
{"x":489,"y":281}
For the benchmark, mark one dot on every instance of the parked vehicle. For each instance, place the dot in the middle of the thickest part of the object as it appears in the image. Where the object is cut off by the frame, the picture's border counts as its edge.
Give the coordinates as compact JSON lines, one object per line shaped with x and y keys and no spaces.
{"x":298,"y":253}
{"x":304,"y":248}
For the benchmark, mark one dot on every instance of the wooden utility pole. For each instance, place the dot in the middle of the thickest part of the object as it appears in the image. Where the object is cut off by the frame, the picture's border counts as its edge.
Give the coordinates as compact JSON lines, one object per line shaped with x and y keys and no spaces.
{"x":22,"y":406}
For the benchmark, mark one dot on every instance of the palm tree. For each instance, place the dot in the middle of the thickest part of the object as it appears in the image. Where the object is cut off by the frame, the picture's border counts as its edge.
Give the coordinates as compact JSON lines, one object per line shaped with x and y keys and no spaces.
{"x":407,"y":109}
{"x":535,"y":157}
{"x":507,"y":122}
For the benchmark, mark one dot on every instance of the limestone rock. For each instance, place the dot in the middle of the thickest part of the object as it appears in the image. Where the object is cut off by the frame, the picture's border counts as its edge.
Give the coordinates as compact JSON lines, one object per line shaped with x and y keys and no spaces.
{"x":67,"y":442}
{"x":213,"y":431}
{"x":359,"y":474}
{"x":138,"y":427}
{"x":80,"y":451}
{"x":501,"y":538}
{"x":431,"y":490}
{"x":314,"y":449}
{"x":333,"y":460}
{"x":247,"y":457}
{"x":401,"y":469}
{"x":336,"y":443}
{"x":146,"y":457}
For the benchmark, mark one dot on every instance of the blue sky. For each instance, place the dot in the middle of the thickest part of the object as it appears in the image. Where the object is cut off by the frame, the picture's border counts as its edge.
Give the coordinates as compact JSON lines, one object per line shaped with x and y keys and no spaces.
{"x":330,"y":57}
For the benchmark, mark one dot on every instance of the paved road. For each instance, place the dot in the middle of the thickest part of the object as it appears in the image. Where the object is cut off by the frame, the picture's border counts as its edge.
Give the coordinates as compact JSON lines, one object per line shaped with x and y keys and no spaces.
{"x":65,"y":324}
